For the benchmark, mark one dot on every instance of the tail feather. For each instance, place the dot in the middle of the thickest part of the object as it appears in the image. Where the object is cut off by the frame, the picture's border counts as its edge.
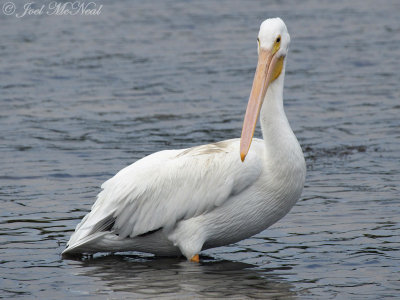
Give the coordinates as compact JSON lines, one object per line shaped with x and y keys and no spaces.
{"x":106,"y":241}
{"x":85,"y":245}
{"x":90,"y":229}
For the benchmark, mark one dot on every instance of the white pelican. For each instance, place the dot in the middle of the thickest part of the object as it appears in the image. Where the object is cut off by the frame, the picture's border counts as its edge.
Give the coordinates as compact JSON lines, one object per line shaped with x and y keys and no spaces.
{"x":177,"y":202}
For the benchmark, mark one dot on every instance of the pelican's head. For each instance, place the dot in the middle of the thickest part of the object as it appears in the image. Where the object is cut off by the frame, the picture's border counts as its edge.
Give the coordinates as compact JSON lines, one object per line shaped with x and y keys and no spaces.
{"x":273,"y":44}
{"x":273,"y":37}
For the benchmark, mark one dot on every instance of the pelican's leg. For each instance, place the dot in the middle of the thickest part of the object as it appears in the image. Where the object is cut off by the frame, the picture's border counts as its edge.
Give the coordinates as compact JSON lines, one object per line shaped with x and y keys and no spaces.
{"x":195,"y":258}
{"x":189,"y":235}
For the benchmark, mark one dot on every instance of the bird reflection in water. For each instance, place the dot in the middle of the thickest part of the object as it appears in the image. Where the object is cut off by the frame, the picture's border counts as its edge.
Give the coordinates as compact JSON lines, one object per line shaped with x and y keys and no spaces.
{"x":142,"y":277}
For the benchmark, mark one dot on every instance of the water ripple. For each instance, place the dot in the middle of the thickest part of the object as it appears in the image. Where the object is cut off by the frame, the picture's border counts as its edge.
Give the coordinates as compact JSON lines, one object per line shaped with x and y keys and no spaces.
{"x":83,"y":97}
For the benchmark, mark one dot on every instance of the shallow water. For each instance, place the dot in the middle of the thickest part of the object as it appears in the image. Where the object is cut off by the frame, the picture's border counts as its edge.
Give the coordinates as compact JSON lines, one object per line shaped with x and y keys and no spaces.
{"x":81,"y":97}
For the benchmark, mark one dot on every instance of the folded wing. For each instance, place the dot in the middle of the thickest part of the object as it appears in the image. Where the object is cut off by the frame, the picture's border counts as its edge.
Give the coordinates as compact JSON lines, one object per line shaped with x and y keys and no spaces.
{"x":166,"y":187}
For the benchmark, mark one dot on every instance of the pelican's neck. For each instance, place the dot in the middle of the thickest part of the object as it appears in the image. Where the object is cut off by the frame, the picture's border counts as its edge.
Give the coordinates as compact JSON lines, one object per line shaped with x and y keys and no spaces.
{"x":277,"y":133}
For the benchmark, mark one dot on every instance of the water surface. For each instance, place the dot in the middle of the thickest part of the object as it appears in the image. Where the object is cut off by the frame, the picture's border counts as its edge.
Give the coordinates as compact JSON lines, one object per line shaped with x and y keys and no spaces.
{"x":82,"y":97}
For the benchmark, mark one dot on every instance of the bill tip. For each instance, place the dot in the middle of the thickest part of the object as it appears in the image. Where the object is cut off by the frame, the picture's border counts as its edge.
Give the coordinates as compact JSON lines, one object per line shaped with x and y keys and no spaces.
{"x":242,"y":156}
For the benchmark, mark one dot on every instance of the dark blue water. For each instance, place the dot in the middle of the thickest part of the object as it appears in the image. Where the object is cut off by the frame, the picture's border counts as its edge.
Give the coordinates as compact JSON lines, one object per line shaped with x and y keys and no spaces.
{"x":83,"y":96}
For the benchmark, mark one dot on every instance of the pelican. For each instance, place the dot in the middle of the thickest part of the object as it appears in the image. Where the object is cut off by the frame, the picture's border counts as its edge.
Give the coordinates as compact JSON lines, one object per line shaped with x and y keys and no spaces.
{"x":176,"y":202}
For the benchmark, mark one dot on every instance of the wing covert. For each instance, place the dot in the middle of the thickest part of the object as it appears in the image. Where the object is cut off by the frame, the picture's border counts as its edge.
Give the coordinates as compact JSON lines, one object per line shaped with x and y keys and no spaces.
{"x":168,"y":186}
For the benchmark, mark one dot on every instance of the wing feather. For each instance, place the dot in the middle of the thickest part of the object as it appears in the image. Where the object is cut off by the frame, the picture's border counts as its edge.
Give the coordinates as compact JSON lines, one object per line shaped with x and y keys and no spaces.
{"x":168,"y":186}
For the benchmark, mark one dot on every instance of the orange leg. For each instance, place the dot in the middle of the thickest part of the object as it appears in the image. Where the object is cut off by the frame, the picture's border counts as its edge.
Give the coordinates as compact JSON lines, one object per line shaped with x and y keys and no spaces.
{"x":195,"y":258}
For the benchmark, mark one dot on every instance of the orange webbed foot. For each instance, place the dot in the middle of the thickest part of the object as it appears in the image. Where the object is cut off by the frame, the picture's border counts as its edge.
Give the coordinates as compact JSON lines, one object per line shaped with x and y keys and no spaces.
{"x":195,"y":258}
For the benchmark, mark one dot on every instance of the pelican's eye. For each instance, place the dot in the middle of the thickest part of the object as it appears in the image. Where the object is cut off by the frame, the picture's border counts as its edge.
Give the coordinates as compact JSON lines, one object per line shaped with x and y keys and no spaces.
{"x":277,"y":44}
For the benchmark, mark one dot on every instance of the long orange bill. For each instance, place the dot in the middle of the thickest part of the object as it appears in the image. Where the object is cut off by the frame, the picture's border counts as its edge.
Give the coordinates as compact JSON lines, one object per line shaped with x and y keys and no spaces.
{"x":262,"y":78}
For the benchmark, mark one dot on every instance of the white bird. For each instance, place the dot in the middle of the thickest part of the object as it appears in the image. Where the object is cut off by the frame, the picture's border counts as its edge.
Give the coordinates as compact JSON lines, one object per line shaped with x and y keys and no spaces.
{"x":177,"y":202}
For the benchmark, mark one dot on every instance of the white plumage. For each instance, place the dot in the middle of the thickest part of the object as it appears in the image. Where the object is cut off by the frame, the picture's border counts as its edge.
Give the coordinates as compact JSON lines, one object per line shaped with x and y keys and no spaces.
{"x":185,"y":201}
